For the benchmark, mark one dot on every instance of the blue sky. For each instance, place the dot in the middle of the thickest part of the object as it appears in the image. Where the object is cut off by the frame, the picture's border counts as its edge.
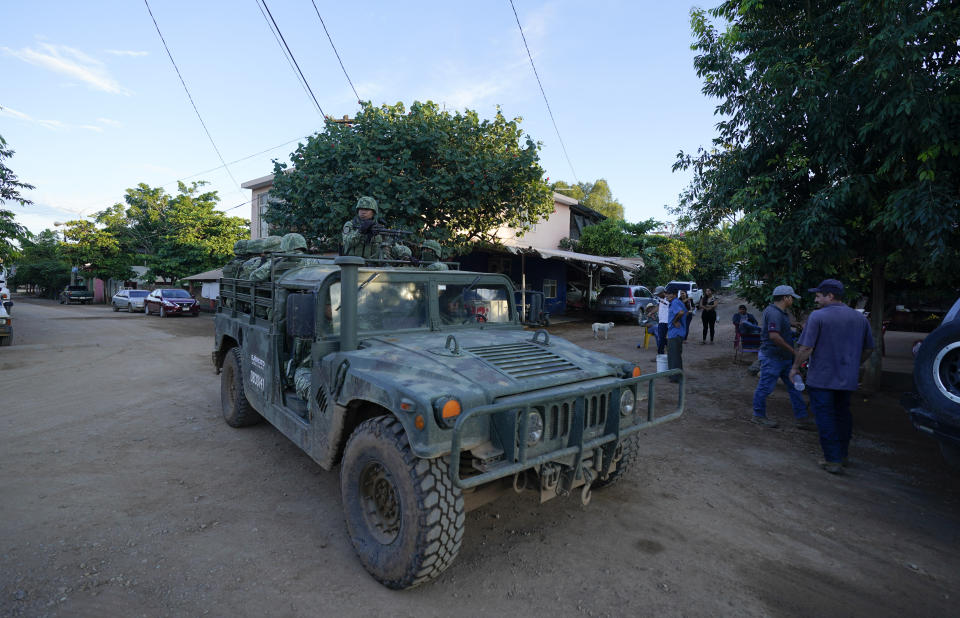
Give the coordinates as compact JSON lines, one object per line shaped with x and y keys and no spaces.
{"x":93,"y":106}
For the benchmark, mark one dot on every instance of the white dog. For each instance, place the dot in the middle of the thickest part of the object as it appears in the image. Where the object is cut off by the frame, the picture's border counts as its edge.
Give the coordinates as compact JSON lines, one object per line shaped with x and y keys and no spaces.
{"x":603,"y":327}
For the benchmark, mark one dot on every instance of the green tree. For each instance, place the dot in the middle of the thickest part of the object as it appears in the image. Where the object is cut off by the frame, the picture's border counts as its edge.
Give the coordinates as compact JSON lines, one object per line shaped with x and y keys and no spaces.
{"x":595,"y":195}
{"x":173,"y":235}
{"x":10,"y":188}
{"x":839,"y":149}
{"x":85,"y":243}
{"x":665,"y":259}
{"x":450,"y":177}
{"x":710,"y":249}
{"x":42,"y":265}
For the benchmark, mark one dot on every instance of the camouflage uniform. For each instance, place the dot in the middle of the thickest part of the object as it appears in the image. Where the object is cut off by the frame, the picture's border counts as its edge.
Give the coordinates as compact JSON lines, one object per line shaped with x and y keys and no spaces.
{"x":433,"y":262}
{"x":240,"y":256}
{"x":368,"y":244}
{"x":255,"y":247}
{"x":274,"y":244}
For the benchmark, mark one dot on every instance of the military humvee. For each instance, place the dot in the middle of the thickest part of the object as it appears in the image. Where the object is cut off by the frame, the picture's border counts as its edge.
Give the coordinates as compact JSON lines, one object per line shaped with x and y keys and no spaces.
{"x":426,"y":389}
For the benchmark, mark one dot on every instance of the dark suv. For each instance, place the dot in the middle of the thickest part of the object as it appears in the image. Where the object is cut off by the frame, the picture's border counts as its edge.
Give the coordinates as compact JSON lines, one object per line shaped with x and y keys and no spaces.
{"x":623,"y":302}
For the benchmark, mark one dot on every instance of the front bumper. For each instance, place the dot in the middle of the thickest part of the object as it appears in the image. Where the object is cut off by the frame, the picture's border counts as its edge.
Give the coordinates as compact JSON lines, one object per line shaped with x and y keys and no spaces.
{"x":585,"y":430}
{"x":178,"y":310}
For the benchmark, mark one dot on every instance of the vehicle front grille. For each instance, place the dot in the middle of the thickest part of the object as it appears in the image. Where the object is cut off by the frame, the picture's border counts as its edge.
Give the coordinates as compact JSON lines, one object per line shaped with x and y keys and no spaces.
{"x":558,"y":417}
{"x":523,"y":360}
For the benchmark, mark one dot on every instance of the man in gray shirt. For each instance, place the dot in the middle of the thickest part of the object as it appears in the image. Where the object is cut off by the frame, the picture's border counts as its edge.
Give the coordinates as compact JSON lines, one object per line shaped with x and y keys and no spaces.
{"x":776,"y":358}
{"x":836,"y":339}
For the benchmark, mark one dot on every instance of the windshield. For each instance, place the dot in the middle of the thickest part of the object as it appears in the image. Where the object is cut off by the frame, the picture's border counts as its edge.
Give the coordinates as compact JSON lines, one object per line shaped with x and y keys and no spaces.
{"x":460,"y":303}
{"x":138,"y":293}
{"x":682,"y":286}
{"x":175,"y":294}
{"x":76,"y":288}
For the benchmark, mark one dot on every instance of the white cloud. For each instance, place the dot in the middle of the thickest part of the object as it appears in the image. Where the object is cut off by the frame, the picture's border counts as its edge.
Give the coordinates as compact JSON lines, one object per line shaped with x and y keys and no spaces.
{"x":56,"y":124}
{"x":6,"y":111}
{"x":125,"y":52}
{"x":91,"y":127}
{"x":109,"y":122}
{"x":70,"y":62}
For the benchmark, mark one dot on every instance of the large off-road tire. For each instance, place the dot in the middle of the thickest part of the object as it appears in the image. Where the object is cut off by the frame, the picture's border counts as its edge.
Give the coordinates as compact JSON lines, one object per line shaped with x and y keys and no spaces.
{"x":630,"y":452}
{"x":237,"y":411}
{"x":936,"y":371}
{"x":404,"y":515}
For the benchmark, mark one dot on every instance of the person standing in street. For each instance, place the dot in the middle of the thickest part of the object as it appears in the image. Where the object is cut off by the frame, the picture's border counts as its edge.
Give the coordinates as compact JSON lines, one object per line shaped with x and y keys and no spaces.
{"x":776,"y":359}
{"x":708,"y":313}
{"x":662,"y":309}
{"x":676,"y":330}
{"x":690,"y":311}
{"x":837,"y":340}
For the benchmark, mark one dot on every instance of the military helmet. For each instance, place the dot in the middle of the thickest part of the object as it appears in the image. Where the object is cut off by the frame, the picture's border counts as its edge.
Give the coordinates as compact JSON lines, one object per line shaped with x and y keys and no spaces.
{"x":240,"y":247}
{"x":369,"y":203}
{"x":271,"y":244}
{"x":292,"y":242}
{"x":255,"y":245}
{"x":433,"y":246}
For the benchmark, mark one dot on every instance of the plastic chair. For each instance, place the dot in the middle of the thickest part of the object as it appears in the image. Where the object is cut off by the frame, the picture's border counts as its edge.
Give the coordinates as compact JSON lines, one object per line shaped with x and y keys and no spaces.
{"x":748,"y":343}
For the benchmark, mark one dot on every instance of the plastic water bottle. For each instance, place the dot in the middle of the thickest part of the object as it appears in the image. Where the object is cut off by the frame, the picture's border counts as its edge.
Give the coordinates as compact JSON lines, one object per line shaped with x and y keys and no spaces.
{"x":798,"y":382}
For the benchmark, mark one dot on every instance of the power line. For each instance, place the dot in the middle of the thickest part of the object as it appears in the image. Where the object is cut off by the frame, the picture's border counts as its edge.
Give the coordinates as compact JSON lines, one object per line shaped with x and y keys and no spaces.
{"x":335,"y":50}
{"x":287,"y":47}
{"x":555,"y":128}
{"x":282,"y":50}
{"x":169,"y":55}
{"x":213,"y":169}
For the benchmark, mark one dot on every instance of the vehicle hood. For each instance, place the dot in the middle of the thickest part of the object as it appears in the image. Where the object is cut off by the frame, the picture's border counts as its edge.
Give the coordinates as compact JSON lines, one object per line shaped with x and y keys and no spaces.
{"x":491,"y":362}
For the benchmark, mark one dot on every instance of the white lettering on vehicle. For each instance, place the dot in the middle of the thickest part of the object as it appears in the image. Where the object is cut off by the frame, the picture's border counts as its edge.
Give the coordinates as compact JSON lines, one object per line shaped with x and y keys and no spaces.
{"x":257,"y":380}
{"x":257,"y":362}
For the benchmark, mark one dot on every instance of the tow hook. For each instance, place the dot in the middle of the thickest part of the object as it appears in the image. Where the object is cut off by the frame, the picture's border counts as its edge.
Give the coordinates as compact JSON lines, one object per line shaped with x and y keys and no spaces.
{"x":585,"y":493}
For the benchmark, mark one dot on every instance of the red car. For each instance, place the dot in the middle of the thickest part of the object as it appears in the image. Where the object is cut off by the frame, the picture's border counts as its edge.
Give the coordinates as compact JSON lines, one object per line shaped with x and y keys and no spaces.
{"x":170,"y":302}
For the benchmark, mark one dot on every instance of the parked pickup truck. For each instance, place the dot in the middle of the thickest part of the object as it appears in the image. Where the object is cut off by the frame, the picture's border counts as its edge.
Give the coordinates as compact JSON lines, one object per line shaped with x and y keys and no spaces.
{"x":935,"y":407}
{"x":75,"y":294}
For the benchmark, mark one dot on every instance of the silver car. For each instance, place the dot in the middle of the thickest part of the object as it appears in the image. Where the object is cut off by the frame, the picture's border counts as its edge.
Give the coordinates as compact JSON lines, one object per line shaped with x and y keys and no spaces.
{"x":131,"y":300}
{"x":619,"y":302}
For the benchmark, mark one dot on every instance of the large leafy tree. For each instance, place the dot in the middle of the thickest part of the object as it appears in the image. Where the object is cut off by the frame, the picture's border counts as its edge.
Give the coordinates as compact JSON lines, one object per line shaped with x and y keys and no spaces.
{"x":173,"y":235}
{"x":10,"y":188}
{"x":838,"y":151}
{"x":595,"y":195}
{"x":446,"y":176}
{"x":97,"y":250}
{"x":42,"y":264}
{"x":710,"y":249}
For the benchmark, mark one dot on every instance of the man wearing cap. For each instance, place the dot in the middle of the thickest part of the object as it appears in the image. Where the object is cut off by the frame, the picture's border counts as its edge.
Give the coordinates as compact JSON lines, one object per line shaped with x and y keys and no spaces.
{"x":836,"y":339}
{"x":660,"y":309}
{"x":676,"y":329}
{"x":776,"y":358}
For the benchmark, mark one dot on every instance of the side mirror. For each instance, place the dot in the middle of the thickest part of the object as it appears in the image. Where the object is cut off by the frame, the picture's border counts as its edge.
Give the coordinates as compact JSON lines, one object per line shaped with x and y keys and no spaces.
{"x":301,"y":316}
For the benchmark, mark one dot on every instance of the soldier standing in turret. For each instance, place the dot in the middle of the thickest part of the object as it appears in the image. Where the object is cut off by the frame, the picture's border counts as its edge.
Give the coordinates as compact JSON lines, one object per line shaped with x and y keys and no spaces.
{"x":362,"y":237}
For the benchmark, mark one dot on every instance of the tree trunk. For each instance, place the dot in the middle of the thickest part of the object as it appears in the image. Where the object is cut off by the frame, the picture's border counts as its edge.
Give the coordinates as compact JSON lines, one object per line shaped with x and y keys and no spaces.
{"x":872,"y":370}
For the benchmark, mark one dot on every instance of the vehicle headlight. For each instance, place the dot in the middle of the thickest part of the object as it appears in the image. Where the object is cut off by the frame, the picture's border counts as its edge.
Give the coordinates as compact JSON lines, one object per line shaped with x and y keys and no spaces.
{"x":3,"y":321}
{"x":627,"y":402}
{"x":534,"y":428}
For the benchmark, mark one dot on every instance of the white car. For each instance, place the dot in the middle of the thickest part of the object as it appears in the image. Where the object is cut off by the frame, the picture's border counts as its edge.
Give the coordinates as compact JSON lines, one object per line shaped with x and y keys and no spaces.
{"x":690,"y":287}
{"x":131,"y":300}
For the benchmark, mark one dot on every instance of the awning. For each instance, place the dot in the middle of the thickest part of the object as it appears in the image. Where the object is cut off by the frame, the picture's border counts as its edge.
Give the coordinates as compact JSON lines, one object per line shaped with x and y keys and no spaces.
{"x":626,"y":265}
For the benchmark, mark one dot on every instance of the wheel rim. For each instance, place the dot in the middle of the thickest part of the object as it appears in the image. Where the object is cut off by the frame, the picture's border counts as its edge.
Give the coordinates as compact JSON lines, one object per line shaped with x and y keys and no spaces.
{"x":381,"y":505}
{"x":946,"y":371}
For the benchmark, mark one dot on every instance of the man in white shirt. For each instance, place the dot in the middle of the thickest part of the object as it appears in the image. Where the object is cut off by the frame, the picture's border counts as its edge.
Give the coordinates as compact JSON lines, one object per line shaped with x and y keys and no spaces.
{"x":662,"y":309}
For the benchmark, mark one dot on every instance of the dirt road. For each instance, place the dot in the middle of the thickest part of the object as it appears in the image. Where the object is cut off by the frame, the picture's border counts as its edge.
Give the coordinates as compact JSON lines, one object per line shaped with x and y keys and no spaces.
{"x":125,"y":494}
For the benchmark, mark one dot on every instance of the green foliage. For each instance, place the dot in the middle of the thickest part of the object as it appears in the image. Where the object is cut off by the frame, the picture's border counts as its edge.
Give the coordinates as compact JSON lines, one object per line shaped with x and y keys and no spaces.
{"x":606,"y":238}
{"x":449,"y":177}
{"x":84,"y":244}
{"x":665,"y":259}
{"x":10,"y":188}
{"x":42,"y":264}
{"x":710,"y":250}
{"x":838,"y":151}
{"x":174,"y":235}
{"x":595,"y":195}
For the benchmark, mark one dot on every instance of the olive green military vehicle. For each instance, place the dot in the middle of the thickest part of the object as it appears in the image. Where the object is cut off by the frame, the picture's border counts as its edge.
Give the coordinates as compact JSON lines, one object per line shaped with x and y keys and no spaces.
{"x":428,"y":392}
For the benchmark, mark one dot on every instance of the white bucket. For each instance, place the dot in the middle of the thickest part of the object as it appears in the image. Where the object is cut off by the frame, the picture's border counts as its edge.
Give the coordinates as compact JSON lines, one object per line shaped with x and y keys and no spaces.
{"x":661,"y":362}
